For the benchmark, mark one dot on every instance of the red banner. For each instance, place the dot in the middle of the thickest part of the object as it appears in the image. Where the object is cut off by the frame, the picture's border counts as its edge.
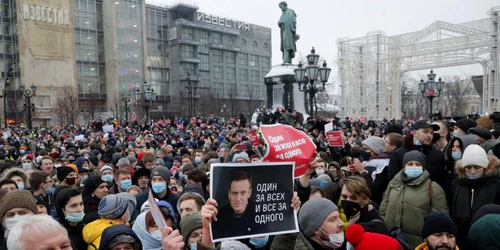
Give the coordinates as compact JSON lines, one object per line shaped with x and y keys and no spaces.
{"x":335,"y":138}
{"x":287,"y":144}
{"x":254,"y":138}
{"x":362,"y":119}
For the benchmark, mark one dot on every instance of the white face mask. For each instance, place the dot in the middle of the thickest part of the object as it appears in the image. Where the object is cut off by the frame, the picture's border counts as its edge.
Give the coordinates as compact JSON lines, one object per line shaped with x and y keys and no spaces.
{"x":11,"y":222}
{"x":336,"y":240}
{"x":156,"y":234}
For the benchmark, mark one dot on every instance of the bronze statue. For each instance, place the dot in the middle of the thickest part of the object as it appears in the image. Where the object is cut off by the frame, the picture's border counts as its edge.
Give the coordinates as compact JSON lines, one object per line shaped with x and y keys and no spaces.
{"x":288,"y":26}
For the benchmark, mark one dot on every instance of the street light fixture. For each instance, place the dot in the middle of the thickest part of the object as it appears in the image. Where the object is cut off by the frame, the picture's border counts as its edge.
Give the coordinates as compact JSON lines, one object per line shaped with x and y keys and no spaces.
{"x":28,"y":106}
{"x":126,"y":100}
{"x":148,"y":98}
{"x":191,"y":88}
{"x":310,"y":83}
{"x":429,"y":88}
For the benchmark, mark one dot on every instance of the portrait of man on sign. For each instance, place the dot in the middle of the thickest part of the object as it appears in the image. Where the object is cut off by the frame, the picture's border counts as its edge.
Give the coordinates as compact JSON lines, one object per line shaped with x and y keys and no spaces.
{"x":238,"y":216}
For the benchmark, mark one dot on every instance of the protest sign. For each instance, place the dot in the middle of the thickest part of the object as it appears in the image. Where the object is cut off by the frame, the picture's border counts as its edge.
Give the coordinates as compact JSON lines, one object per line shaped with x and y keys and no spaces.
{"x":107,"y":128}
{"x":254,"y":200}
{"x":329,"y":127}
{"x":285,"y":143}
{"x":79,"y":137}
{"x":254,"y":138}
{"x":362,"y":119}
{"x":335,"y":138}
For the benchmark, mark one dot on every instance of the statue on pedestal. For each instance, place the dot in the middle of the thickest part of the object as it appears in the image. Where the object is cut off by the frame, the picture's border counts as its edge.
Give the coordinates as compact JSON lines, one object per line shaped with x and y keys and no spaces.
{"x":288,"y":26}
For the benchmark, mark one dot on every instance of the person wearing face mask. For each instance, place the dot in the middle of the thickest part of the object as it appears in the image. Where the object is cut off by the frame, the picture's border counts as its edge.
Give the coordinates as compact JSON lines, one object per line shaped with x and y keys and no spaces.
{"x":106,"y":173}
{"x":147,"y":231}
{"x":112,"y":211}
{"x":462,"y":127}
{"x":94,"y":190}
{"x":66,"y":176}
{"x":15,"y":206}
{"x":27,"y":163}
{"x":376,"y":166}
{"x":320,"y":228}
{"x":159,"y":180}
{"x":19,"y":176}
{"x":420,"y":196}
{"x":42,"y":187}
{"x":123,"y":180}
{"x":70,"y":210}
{"x":476,"y":185}
{"x":191,"y":230}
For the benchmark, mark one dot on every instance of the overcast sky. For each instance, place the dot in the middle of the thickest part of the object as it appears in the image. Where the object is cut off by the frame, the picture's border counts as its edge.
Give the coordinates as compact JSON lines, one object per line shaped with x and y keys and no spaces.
{"x":321,"y":22}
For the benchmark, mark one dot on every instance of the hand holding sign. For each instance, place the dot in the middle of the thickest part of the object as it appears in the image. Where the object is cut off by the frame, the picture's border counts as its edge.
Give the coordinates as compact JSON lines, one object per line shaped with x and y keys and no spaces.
{"x":209,"y":212}
{"x":171,"y":240}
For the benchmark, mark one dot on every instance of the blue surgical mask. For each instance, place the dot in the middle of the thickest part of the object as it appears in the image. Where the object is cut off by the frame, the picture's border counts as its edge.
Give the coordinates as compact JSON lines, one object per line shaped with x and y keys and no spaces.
{"x":413,"y":172}
{"x":20,"y":185}
{"x":27,"y":166}
{"x":197,"y":159}
{"x":456,"y":155}
{"x":107,"y":178}
{"x":125,"y":184}
{"x":195,"y":245}
{"x":259,"y":242}
{"x":50,"y":191}
{"x":159,"y":187}
{"x":348,"y":134}
{"x":418,"y":143}
{"x":474,"y":176}
{"x":75,"y":217}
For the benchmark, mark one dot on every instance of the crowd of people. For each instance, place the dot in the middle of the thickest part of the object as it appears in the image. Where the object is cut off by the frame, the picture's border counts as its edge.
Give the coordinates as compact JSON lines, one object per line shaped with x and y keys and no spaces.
{"x":393,"y":185}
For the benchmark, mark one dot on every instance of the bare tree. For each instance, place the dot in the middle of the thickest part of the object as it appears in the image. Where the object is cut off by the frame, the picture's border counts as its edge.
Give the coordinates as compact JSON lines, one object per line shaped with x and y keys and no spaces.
{"x":452,"y":98}
{"x":232,"y":95}
{"x":91,"y":110}
{"x":116,"y":109}
{"x":67,"y":110}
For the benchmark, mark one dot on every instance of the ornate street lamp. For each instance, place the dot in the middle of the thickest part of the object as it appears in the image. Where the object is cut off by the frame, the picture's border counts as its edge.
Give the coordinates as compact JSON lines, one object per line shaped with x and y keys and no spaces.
{"x":149,"y":97}
{"x":28,"y":106}
{"x":429,"y":88}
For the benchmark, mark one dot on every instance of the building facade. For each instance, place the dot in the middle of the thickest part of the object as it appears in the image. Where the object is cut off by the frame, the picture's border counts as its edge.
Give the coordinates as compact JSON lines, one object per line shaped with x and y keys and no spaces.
{"x":106,"y":50}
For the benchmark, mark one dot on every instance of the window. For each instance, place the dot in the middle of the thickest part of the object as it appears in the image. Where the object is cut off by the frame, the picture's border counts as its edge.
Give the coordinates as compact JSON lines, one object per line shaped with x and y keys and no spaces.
{"x":43,"y":101}
{"x":231,"y":91}
{"x":203,"y":39}
{"x":255,"y":45}
{"x":229,"y":57}
{"x":264,"y":61}
{"x":254,"y":75}
{"x":216,"y":55}
{"x":243,"y":42}
{"x":218,"y":72}
{"x":218,"y":90}
{"x":187,"y":51}
{"x":243,"y":74}
{"x":254,"y":61}
{"x":230,"y":73}
{"x":228,"y":40}
{"x":204,"y":79}
{"x":244,"y":59}
{"x":216,"y":38}
{"x":189,"y":67}
{"x":187,"y":33}
{"x":243,"y":90}
{"x":204,"y":65}
{"x":265,"y":46}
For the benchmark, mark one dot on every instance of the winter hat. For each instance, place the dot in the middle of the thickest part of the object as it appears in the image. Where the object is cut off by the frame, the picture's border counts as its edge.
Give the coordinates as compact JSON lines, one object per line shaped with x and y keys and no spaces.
{"x":131,"y":201}
{"x":177,"y":158}
{"x":105,"y":167}
{"x":485,"y":122}
{"x":393,"y":128}
{"x":162,"y":172}
{"x":123,"y":162}
{"x":475,"y":155}
{"x":17,"y":199}
{"x":376,"y":144}
{"x":481,"y":132}
{"x":233,"y":245}
{"x":118,"y":234}
{"x":313,"y":213}
{"x":112,"y":206}
{"x":486,"y":209}
{"x":465,"y":124}
{"x":134,"y":187}
{"x":160,"y":161}
{"x":189,"y":223}
{"x":64,"y":171}
{"x":438,"y":222}
{"x":132,"y":159}
{"x":74,"y":167}
{"x":243,"y":155}
{"x":483,"y":234}
{"x":361,"y":240}
{"x":91,"y":184}
{"x":140,"y":155}
{"x":28,"y":156}
{"x":414,"y":155}
{"x":140,"y":172}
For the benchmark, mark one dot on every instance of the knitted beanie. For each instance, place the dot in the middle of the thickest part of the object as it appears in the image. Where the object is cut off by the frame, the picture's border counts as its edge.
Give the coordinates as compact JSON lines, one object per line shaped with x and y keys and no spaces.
{"x":112,"y":206}
{"x":243,"y":155}
{"x":17,"y":199}
{"x":131,"y":201}
{"x":438,"y":222}
{"x":123,"y":162}
{"x":414,"y":155}
{"x":233,"y":245}
{"x":465,"y":124}
{"x":162,"y":172}
{"x":393,"y":128}
{"x":189,"y":223}
{"x":361,"y":240}
{"x":91,"y":184}
{"x":375,"y":143}
{"x":94,"y":160}
{"x":313,"y":213}
{"x":105,"y":167}
{"x":485,"y":122}
{"x":486,"y":209}
{"x":474,"y":155}
{"x":64,"y":171}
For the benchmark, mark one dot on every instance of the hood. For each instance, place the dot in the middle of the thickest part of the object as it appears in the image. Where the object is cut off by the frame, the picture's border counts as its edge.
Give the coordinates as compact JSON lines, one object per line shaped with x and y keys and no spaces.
{"x":140,"y":228}
{"x":79,"y":161}
{"x":111,"y":232}
{"x":17,"y":171}
{"x":489,"y":144}
{"x":488,"y":172}
{"x":466,"y":141}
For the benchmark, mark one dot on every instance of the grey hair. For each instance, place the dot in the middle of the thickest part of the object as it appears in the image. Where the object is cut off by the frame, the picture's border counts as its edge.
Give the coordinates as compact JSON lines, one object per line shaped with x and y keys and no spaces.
{"x":40,"y":225}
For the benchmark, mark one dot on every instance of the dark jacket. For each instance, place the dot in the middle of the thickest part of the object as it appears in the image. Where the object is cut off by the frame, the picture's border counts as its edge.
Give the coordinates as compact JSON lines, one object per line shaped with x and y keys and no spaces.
{"x":111,"y":232}
{"x":225,"y":227}
{"x":377,"y":167}
{"x":372,"y":222}
{"x":91,"y":204}
{"x":434,"y":160}
{"x":75,"y":234}
{"x":297,"y":242}
{"x":470,"y":195}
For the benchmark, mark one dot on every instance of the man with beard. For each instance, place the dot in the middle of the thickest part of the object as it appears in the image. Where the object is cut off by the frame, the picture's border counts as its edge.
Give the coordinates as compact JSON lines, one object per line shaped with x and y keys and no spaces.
{"x":438,"y":233}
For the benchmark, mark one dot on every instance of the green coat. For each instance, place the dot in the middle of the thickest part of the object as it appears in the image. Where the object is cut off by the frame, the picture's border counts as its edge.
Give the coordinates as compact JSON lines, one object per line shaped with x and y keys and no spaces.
{"x":295,"y":241}
{"x":406,"y":204}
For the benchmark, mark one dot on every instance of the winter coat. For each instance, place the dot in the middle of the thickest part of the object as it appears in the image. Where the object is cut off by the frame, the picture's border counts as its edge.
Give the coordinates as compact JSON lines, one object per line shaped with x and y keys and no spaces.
{"x":90,"y":206}
{"x":169,"y":197}
{"x":489,"y":144}
{"x":92,"y":232}
{"x":377,"y":168}
{"x":470,"y":195}
{"x":465,"y":140}
{"x":295,"y":242}
{"x":19,"y":172}
{"x":75,"y":235}
{"x":407,"y":202}
{"x":111,"y":232}
{"x":484,"y":233}
{"x":434,"y":160}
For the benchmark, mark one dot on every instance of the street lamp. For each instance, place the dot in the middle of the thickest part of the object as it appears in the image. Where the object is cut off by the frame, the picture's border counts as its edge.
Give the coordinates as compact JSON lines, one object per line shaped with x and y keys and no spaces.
{"x":126,"y":100}
{"x":191,"y":94}
{"x":429,"y":88}
{"x":148,"y":98}
{"x":28,"y":106}
{"x":308,"y":79}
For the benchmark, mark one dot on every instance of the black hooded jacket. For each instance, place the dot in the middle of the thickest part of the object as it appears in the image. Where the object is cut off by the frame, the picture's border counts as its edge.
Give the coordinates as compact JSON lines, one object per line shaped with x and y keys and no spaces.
{"x":111,"y":232}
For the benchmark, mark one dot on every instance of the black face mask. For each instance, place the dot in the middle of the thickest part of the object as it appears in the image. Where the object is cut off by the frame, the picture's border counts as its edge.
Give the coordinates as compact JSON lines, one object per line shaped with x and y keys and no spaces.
{"x":350,"y":208}
{"x":365,"y":155}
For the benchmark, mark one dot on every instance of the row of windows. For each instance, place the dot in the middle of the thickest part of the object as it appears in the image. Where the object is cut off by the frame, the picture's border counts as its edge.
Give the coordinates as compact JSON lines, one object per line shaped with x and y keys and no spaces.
{"x":232,"y":90}
{"x":189,"y":33}
{"x":218,"y":72}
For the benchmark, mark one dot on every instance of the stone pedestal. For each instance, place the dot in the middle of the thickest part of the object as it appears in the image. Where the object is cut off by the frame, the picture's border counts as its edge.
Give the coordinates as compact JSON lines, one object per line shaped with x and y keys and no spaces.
{"x":282,"y":89}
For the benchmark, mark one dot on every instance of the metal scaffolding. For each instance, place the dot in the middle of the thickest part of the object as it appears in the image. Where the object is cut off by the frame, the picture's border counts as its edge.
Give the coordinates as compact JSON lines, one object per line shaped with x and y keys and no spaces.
{"x":371,"y":67}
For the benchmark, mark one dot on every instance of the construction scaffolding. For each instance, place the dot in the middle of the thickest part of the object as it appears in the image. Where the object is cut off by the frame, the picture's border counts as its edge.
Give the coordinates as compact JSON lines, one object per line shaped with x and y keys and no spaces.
{"x":371,"y":67}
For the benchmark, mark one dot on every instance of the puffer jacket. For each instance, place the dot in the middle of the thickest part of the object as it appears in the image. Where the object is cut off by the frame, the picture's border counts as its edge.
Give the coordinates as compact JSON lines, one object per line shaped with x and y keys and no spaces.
{"x":20,"y":172}
{"x":92,"y":232}
{"x":465,"y":140}
{"x":470,"y":195}
{"x":407,"y":202}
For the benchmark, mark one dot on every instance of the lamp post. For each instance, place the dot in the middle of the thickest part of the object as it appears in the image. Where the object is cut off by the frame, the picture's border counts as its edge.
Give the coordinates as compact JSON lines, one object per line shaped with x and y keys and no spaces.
{"x":429,"y":88}
{"x":28,"y":106}
{"x":148,"y":98}
{"x":310,"y":83}
{"x":126,"y":100}
{"x":191,"y":94}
